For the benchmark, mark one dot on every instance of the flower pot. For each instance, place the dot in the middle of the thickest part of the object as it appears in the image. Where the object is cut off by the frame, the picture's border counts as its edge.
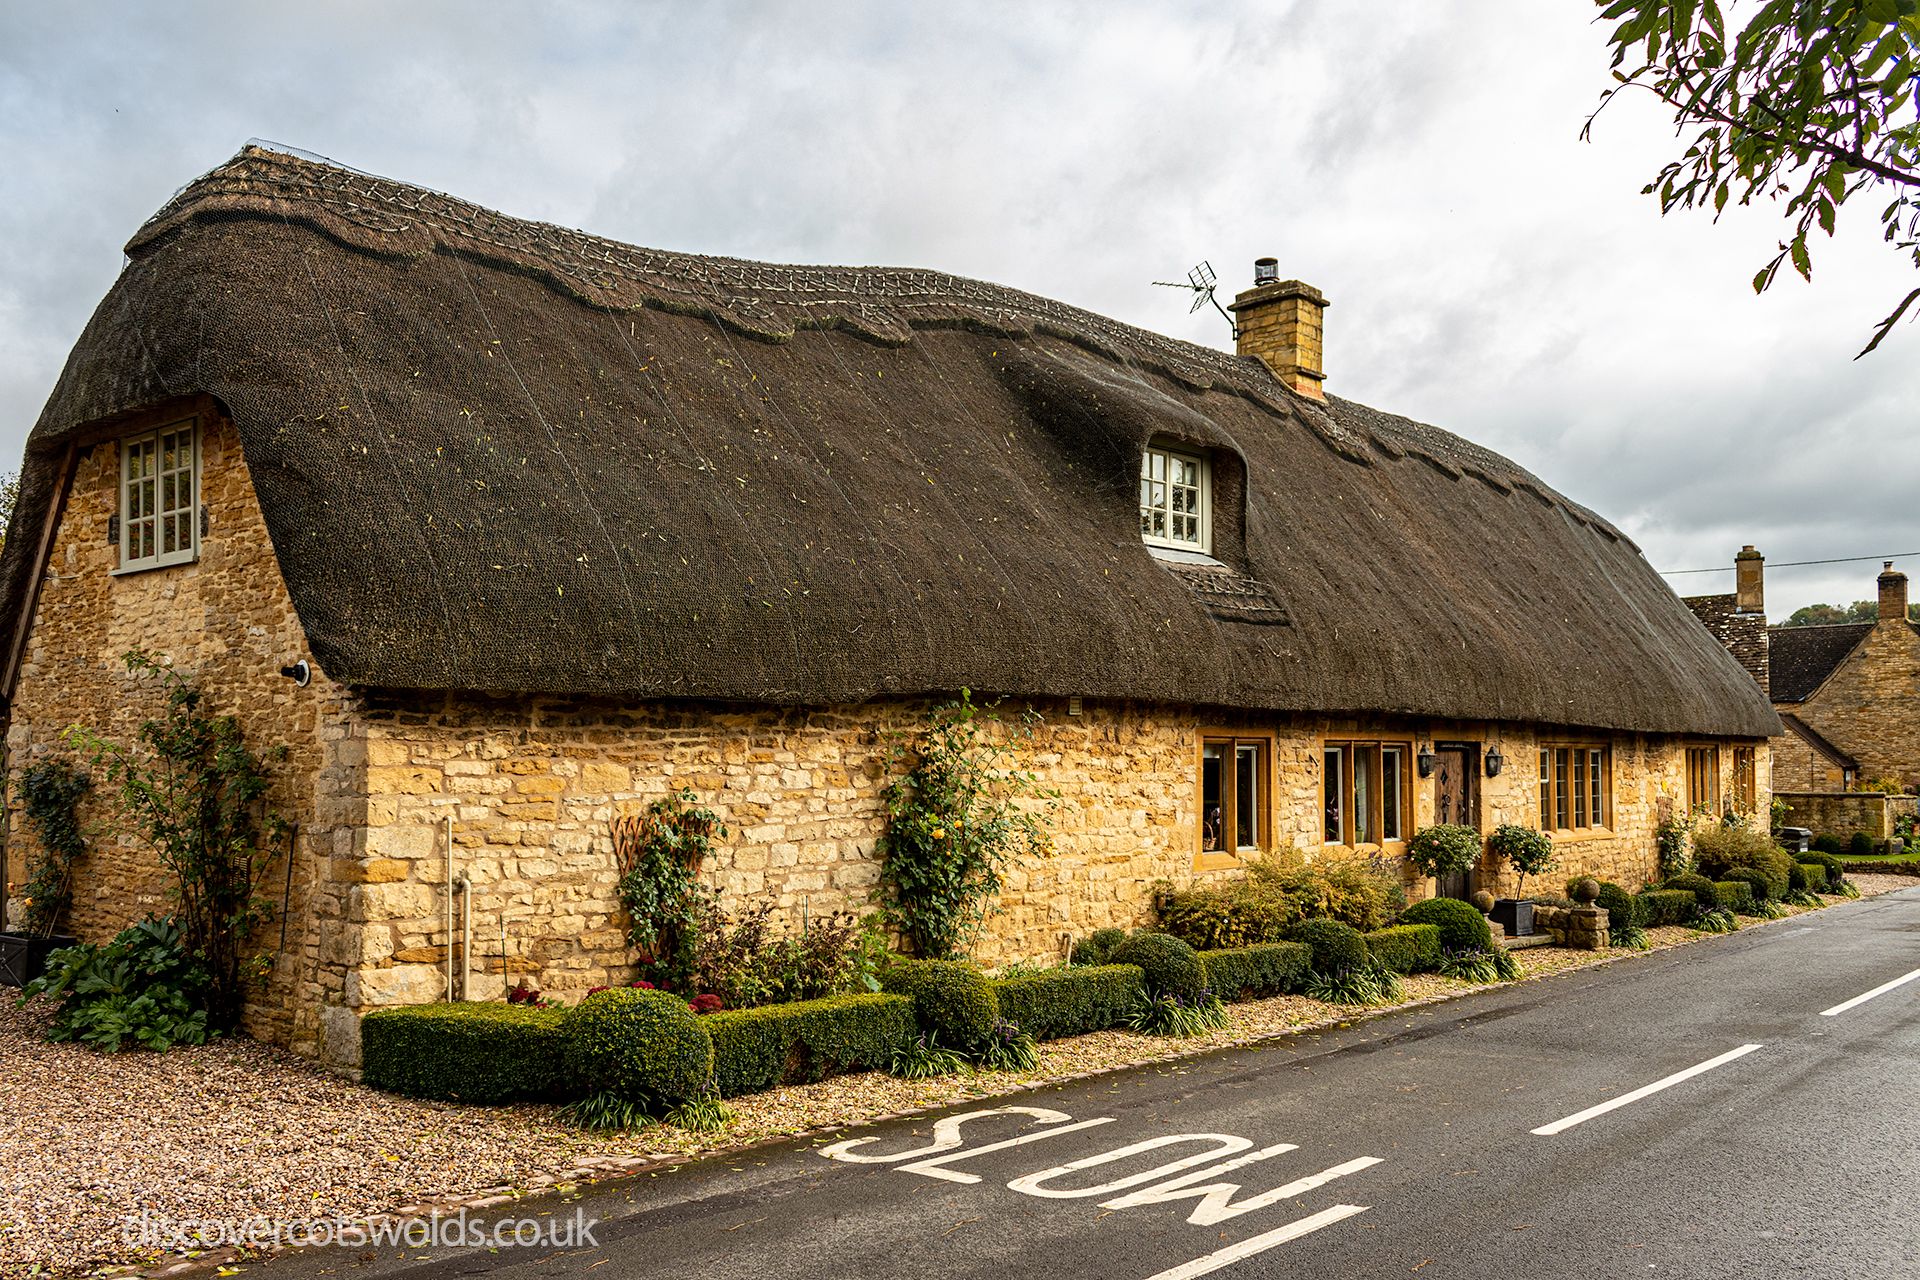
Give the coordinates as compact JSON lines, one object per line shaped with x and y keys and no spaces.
{"x":1515,"y":915}
{"x":24,"y":958}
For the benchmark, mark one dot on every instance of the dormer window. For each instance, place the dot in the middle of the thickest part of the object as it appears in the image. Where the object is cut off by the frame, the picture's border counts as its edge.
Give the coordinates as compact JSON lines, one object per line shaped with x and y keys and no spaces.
{"x":1175,"y":502}
{"x":160,"y":497}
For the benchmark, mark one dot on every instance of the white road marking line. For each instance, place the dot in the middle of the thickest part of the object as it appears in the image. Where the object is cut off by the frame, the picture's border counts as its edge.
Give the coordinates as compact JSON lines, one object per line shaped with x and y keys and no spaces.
{"x":946,"y":1135}
{"x":1880,"y":990}
{"x":931,"y":1168}
{"x":1259,"y":1244}
{"x":1216,"y":1199}
{"x":1225,"y":1144}
{"x":1581,"y":1117}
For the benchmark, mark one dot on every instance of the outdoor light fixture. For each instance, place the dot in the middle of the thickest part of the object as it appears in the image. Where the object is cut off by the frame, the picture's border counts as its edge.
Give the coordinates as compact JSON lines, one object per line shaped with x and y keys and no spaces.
{"x":1495,"y":762}
{"x":1425,"y":760}
{"x":299,"y":672}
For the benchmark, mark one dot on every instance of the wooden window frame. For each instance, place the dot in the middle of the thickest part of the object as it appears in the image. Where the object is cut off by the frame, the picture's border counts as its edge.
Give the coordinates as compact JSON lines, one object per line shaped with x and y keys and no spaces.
{"x":1574,"y":803}
{"x":1709,"y":752}
{"x":1205,"y":859}
{"x":129,"y":522}
{"x":1200,"y":461}
{"x":1350,"y":749}
{"x":1746,"y":779}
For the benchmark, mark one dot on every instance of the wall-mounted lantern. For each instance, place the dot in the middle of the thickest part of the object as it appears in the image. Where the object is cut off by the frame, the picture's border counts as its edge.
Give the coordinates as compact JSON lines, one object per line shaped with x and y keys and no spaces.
{"x":1425,"y":760}
{"x":1495,"y":762}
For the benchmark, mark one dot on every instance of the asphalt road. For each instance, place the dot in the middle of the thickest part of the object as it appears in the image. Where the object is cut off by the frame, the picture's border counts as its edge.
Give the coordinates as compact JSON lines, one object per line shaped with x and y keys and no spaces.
{"x":1800,"y":1157}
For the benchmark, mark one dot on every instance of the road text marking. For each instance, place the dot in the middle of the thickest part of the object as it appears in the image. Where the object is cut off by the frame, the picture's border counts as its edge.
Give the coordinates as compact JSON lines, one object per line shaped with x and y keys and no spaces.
{"x":1880,"y":990}
{"x":1259,"y":1244}
{"x":1581,"y":1117}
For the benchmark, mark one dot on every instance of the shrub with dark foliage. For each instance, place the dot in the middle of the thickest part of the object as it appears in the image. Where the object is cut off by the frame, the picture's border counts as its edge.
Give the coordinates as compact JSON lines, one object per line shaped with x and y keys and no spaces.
{"x":951,"y":999}
{"x":1699,"y":886}
{"x":1717,"y":850}
{"x":1668,"y":906}
{"x":468,"y":1052}
{"x":1264,"y":969}
{"x":1097,"y":946}
{"x":1337,"y":948}
{"x":1406,"y":948}
{"x":1171,"y":966}
{"x":1622,"y":908}
{"x":756,"y":1049}
{"x":1754,"y":879}
{"x":1462,"y":928}
{"x":1071,"y":1001}
{"x":644,"y":1047}
{"x":1861,"y":846}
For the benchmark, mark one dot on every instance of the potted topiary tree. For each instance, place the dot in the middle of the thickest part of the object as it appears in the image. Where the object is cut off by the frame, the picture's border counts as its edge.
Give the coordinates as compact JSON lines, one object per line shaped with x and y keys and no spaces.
{"x":1529,"y":853}
{"x":1443,"y":850}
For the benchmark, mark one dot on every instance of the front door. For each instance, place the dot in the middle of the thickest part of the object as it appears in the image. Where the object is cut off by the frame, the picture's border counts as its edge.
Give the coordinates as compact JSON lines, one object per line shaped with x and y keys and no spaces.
{"x":1456,"y":799}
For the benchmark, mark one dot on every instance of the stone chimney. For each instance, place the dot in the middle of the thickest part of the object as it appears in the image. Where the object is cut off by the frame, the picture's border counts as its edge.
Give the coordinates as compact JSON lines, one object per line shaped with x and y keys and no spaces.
{"x":1279,"y":321}
{"x":1750,"y":581}
{"x":1893,"y":594}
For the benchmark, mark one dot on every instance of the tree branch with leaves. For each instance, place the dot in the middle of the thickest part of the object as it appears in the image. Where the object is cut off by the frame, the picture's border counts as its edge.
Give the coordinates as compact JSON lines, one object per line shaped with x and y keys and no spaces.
{"x":1811,"y":103}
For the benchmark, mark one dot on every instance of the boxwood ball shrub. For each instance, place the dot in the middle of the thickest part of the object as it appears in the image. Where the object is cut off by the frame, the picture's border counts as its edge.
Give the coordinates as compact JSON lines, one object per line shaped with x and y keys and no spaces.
{"x":1461,"y":927}
{"x":1836,"y":871}
{"x":756,"y":1049}
{"x":1861,"y":846}
{"x":1735,"y":895}
{"x":1796,"y":879}
{"x":1336,"y":947}
{"x":952,"y":1000}
{"x":1753,"y":878}
{"x":1668,"y":906}
{"x":1699,"y":886}
{"x":640,"y":1046}
{"x":1072,"y":1001}
{"x":1815,"y":874}
{"x":1406,"y":948}
{"x":1264,"y":969}
{"x":1833,"y":846}
{"x":1097,"y":946}
{"x":1172,"y":967}
{"x":467,"y":1052}
{"x":1622,"y":908}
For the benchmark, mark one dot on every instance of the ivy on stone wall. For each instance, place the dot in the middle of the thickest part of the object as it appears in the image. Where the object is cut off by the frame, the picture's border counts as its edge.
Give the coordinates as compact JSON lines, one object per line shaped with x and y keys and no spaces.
{"x":660,"y":854}
{"x":52,"y":791}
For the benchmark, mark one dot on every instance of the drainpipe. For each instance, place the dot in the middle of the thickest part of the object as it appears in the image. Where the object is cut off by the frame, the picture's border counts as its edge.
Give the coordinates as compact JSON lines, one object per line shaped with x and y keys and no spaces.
{"x":449,"y":828}
{"x":464,"y":884}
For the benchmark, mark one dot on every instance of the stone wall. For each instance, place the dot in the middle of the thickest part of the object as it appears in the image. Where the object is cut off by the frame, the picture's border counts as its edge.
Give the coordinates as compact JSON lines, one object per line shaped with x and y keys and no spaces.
{"x":224,"y":620}
{"x":1798,"y":767}
{"x":1841,"y":813}
{"x":1870,"y":706}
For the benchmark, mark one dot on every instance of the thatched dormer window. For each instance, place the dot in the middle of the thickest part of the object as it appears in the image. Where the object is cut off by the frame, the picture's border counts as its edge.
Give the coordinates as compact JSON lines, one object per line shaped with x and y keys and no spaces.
{"x":1176,"y":500}
{"x":160,"y":497}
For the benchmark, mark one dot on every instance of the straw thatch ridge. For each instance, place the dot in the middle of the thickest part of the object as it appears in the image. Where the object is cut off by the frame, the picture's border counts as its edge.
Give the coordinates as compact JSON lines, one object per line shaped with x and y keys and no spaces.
{"x":499,"y":455}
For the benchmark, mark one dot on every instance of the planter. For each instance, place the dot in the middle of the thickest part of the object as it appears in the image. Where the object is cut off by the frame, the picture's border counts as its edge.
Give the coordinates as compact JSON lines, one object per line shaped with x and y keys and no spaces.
{"x":24,"y":958}
{"x":1515,"y":915}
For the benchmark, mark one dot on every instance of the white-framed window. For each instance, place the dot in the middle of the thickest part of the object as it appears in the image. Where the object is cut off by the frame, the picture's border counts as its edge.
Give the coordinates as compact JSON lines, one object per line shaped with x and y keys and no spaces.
{"x":1175,"y":500}
{"x":160,"y":497}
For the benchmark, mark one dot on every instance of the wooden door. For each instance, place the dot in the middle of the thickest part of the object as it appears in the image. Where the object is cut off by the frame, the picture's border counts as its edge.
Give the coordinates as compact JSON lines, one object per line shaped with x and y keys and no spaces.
{"x":1456,"y":797}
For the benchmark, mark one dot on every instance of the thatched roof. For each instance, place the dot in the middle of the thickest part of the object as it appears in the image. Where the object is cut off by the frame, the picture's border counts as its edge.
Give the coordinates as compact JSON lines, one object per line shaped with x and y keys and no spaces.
{"x":501,"y":455}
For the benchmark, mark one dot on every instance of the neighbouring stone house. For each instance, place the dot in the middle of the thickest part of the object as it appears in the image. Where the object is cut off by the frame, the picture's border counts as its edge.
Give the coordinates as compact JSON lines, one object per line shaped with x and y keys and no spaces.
{"x":557,"y":525}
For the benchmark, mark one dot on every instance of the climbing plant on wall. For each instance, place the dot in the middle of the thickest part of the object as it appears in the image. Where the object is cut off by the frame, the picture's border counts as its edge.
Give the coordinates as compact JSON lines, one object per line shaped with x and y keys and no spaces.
{"x":52,"y":791}
{"x":660,"y":854}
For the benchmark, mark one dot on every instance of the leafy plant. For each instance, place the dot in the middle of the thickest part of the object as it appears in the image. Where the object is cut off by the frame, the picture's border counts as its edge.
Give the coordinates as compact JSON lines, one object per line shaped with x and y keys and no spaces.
{"x":1097,"y":946}
{"x":1171,"y":1014}
{"x":1716,"y":920}
{"x":1803,"y":103}
{"x":52,"y":791}
{"x":143,"y":987}
{"x":706,"y":1114}
{"x":603,"y":1111}
{"x":1629,"y":938}
{"x":922,"y":1057}
{"x":1861,"y":846}
{"x":1462,"y":928}
{"x":959,"y":814}
{"x":1365,"y":985}
{"x":1673,"y":836}
{"x":1171,"y":966}
{"x":660,"y":853}
{"x":1276,"y":893}
{"x":1493,"y":965}
{"x":1528,"y":852}
{"x":198,"y":793}
{"x":1445,"y":849}
{"x":645,"y":1046}
{"x":1008,"y":1048}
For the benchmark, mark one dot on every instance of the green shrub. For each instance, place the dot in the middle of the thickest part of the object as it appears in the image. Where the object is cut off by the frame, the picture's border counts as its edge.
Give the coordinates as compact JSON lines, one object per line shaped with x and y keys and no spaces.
{"x":756,"y":1049}
{"x":1462,"y":928}
{"x":639,"y":1046}
{"x":1861,"y":846}
{"x":1699,"y":886}
{"x":1719,"y":849}
{"x":1832,"y":846}
{"x":951,"y":1000}
{"x":1336,"y":947}
{"x":1445,"y":849}
{"x":467,"y":1052}
{"x":1527,"y":851}
{"x":1097,"y":946}
{"x":141,"y":988}
{"x":1622,"y":908}
{"x":1170,"y":965}
{"x":1073,"y":1001}
{"x":1735,"y":895}
{"x":1796,"y":880}
{"x":1836,"y":871}
{"x":1668,"y":906}
{"x":1815,"y":875}
{"x":1754,"y":879}
{"x":1168,"y":1015}
{"x":1265,"y":969}
{"x":1406,"y":948}
{"x":1277,"y":892}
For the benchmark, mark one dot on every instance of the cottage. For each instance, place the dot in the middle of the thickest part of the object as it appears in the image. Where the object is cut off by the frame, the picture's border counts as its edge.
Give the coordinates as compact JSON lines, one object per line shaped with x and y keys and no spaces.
{"x":505,"y":530}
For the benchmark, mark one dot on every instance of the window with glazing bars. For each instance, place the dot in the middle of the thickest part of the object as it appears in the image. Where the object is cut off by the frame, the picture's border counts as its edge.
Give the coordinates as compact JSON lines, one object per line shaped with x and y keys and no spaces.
{"x":1174,"y":500}
{"x":1575,"y":790}
{"x":1703,"y":780}
{"x":160,"y":497}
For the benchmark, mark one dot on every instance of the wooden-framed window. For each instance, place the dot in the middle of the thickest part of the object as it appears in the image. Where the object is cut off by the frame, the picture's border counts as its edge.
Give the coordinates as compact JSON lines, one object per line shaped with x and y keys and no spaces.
{"x":1576,"y":786}
{"x":1746,"y":789}
{"x":1235,"y":773}
{"x":160,"y":497}
{"x":1703,"y":780}
{"x":1175,"y":500}
{"x":1366,"y":791}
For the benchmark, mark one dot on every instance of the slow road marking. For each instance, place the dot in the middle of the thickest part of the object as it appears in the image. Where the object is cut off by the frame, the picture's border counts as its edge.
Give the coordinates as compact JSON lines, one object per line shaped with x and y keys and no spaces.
{"x":1880,"y":990}
{"x":1646,"y":1090}
{"x":1258,"y":1244}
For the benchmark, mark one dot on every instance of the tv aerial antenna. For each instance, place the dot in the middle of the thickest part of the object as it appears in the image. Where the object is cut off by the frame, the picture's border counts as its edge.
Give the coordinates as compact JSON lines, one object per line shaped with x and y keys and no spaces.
{"x":1201,"y":282}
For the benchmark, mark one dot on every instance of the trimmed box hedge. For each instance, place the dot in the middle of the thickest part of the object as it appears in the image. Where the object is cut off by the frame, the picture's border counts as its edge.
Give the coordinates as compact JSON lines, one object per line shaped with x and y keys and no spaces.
{"x":756,"y":1049}
{"x":1071,"y":1001}
{"x":1406,"y":948}
{"x":1816,"y":874}
{"x":468,"y":1052}
{"x":1669,"y":906}
{"x":1735,"y":895}
{"x":1263,"y":969}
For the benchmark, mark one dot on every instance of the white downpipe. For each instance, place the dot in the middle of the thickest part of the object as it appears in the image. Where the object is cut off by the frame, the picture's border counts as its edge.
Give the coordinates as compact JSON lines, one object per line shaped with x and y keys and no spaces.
{"x":464,"y":884}
{"x":449,"y":831}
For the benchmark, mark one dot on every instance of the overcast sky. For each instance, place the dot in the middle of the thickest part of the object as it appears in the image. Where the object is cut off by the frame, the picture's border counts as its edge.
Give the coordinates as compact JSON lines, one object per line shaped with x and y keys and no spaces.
{"x":1419,"y":161}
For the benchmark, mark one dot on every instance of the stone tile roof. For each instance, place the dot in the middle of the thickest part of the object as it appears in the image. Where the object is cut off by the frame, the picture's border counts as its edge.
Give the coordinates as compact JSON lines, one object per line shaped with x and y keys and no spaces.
{"x":1803,"y":657}
{"x":1742,"y":632}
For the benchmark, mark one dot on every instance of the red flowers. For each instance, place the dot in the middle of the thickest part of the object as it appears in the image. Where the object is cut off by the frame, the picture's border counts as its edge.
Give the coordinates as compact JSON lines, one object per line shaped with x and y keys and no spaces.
{"x":706,"y":1002}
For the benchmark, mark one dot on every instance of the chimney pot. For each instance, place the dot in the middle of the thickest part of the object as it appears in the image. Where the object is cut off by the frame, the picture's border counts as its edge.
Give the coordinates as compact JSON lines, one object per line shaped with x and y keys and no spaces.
{"x":1749,"y":581}
{"x":1893,"y":594}
{"x":1279,"y":321}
